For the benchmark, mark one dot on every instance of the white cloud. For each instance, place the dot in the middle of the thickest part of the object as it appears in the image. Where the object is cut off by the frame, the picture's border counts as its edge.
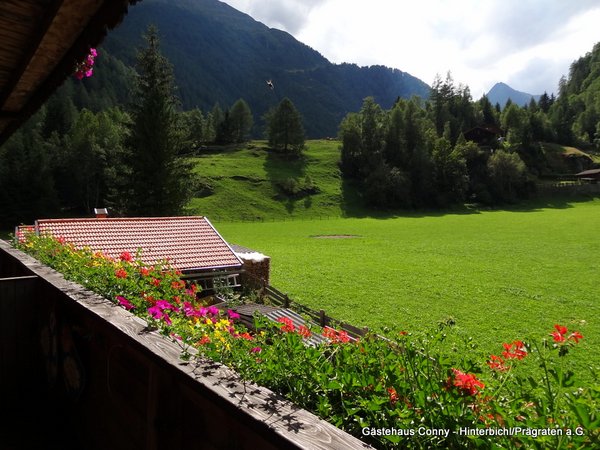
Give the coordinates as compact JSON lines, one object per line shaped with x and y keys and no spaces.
{"x":528,"y":44}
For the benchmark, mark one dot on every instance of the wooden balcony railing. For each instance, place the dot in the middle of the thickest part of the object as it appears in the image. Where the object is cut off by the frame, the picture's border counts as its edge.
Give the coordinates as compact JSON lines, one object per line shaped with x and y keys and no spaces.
{"x":76,"y":371}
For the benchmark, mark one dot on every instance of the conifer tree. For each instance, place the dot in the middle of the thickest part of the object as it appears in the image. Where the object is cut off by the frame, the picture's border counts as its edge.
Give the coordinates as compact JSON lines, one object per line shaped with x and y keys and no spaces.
{"x":241,"y":121}
{"x":160,"y":176}
{"x":284,"y":128}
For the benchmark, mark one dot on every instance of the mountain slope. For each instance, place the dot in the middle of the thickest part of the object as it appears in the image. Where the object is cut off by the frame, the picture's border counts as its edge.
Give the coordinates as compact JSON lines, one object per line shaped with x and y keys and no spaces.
{"x":220,"y":55}
{"x":501,"y":92}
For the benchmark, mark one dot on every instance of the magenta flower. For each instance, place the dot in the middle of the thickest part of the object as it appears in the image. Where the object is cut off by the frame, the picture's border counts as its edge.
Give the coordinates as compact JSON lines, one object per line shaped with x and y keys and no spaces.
{"x":85,"y":67}
{"x":213,"y":310}
{"x":157,"y":313}
{"x":256,"y":350}
{"x":163,"y":304}
{"x":232,"y":314}
{"x":125,"y":303}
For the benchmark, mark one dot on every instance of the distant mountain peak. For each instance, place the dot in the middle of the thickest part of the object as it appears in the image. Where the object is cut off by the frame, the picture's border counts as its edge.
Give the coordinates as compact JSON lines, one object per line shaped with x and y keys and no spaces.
{"x":501,"y":92}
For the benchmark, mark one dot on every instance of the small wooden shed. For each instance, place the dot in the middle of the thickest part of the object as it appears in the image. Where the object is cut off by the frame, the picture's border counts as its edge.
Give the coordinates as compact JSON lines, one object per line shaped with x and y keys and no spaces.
{"x":592,"y":175}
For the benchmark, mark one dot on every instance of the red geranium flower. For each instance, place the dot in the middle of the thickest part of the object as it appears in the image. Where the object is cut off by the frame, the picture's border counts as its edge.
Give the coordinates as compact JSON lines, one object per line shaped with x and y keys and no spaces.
{"x":560,"y":334}
{"x":204,"y":340}
{"x":121,"y":273}
{"x":303,"y":331}
{"x":519,"y":351}
{"x":576,"y":336}
{"x":288,"y":326}
{"x":497,"y":363}
{"x":393,"y":395}
{"x":126,"y":256}
{"x":467,"y":383}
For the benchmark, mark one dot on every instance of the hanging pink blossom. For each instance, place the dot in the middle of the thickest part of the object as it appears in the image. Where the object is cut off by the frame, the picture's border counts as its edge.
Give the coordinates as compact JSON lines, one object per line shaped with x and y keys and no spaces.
{"x":85,"y":67}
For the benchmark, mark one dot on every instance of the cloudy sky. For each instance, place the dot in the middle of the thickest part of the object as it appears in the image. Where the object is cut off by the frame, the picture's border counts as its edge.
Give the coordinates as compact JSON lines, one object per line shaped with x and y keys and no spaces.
{"x":528,"y":44}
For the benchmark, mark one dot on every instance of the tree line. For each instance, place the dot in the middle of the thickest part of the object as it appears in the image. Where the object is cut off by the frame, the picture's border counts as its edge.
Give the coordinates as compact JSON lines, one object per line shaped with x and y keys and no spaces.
{"x":416,"y":154}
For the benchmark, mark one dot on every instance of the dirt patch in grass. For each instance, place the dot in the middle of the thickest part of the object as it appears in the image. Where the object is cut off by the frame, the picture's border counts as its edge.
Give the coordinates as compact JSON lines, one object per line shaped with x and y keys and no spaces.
{"x":335,"y":236}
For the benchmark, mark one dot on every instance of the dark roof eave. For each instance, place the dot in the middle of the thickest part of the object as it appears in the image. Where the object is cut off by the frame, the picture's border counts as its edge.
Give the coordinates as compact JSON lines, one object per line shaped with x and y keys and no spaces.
{"x":232,"y":267}
{"x":108,"y":16}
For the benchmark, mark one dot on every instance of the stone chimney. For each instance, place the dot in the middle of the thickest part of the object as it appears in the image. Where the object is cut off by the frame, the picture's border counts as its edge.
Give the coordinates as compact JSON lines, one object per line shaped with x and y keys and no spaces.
{"x":101,"y":213}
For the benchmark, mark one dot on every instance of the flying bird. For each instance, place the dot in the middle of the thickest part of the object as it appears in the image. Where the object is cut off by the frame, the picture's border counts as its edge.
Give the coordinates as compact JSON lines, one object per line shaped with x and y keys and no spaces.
{"x":270,"y":84}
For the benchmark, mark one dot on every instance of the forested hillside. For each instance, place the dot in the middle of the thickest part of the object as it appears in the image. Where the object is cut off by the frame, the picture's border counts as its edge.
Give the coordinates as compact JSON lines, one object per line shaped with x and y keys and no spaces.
{"x":452,"y":150}
{"x":220,"y":55}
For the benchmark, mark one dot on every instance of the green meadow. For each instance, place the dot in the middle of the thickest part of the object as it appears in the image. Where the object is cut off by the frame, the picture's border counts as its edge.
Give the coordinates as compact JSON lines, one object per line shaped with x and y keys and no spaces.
{"x":245,"y":184}
{"x":496,"y":275}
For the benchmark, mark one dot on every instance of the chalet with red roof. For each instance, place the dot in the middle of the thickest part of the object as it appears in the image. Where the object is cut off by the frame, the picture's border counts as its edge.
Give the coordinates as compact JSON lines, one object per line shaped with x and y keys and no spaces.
{"x":190,"y":244}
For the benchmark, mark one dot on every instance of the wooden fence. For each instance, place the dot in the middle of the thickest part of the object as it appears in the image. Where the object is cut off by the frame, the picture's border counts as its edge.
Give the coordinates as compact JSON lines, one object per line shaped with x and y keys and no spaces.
{"x":320,"y":317}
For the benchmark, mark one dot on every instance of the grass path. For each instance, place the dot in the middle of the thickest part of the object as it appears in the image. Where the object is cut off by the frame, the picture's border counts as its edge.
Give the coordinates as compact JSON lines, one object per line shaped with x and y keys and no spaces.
{"x":500,"y":275}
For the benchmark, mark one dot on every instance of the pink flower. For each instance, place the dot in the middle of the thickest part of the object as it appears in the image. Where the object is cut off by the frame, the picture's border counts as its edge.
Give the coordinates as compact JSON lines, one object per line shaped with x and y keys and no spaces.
{"x":163,"y":304}
{"x":84,"y":68}
{"x":125,"y":303}
{"x":157,"y":313}
{"x":256,"y":350}
{"x":232,"y":314}
{"x":213,"y":310}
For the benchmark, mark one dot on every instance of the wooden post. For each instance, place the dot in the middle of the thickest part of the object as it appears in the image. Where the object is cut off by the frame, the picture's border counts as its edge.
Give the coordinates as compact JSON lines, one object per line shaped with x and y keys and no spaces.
{"x":286,"y":301}
{"x":322,"y":318}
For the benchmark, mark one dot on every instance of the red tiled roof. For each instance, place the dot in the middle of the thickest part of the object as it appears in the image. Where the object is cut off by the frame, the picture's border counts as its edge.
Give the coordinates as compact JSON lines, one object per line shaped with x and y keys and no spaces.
{"x":189,"y":243}
{"x":22,"y":230}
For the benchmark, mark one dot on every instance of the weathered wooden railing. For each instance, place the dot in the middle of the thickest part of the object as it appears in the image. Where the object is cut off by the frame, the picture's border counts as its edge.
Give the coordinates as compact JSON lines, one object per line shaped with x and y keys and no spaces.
{"x":278,"y":298}
{"x":94,"y":377}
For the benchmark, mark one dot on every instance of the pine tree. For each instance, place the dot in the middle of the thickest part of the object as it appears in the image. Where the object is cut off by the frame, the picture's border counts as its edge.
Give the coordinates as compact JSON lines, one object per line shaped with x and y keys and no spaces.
{"x":241,"y":121}
{"x":160,"y":177}
{"x":284,"y":128}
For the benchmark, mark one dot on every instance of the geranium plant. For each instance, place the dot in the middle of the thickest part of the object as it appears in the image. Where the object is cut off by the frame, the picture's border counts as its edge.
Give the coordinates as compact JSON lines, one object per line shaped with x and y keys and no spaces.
{"x":85,"y":68}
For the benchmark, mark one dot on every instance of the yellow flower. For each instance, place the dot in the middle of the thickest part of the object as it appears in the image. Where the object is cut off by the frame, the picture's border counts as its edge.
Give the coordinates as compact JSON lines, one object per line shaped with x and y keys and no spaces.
{"x":222,"y":324}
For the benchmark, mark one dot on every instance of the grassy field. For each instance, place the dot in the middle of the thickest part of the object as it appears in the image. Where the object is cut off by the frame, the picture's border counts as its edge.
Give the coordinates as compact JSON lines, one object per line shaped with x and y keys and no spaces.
{"x":499,"y":275}
{"x":245,"y":182}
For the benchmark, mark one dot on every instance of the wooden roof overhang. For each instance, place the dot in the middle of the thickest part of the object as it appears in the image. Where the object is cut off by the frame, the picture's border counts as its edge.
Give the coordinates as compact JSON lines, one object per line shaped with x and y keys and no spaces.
{"x":40,"y":43}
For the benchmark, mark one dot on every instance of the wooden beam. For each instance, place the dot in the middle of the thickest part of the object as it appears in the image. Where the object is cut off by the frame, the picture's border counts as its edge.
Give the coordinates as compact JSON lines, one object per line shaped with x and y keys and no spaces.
{"x":34,"y":43}
{"x":9,"y":115}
